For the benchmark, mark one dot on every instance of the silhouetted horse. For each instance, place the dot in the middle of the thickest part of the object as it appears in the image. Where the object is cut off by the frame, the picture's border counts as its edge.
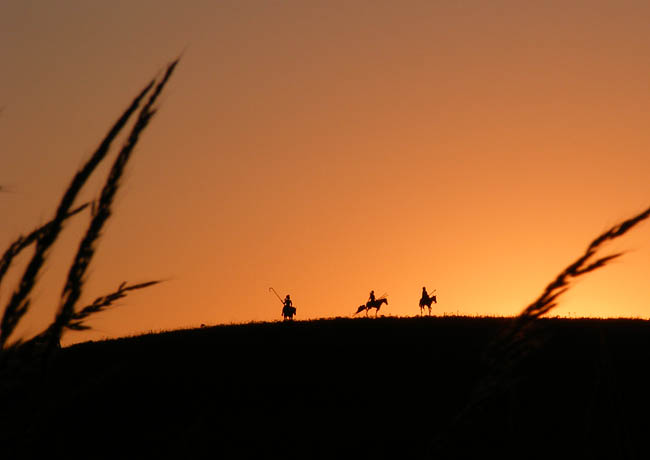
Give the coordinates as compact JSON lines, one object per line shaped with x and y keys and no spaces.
{"x":427,"y":303}
{"x":372,"y":304}
{"x":288,"y":312}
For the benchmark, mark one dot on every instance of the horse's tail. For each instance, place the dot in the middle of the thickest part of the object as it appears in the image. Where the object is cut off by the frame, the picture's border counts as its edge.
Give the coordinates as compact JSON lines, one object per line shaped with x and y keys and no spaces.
{"x":360,"y":309}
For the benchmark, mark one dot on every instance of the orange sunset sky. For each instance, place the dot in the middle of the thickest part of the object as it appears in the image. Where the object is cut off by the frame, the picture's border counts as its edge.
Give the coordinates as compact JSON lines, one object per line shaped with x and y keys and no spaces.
{"x":327,"y":148}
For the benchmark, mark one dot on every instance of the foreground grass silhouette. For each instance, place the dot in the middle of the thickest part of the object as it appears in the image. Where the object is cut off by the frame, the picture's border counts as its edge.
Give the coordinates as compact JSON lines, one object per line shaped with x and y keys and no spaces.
{"x":44,"y":237}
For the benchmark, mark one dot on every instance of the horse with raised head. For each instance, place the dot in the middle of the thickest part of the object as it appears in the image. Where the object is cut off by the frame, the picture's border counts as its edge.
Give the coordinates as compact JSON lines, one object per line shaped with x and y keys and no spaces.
{"x":376,"y":304}
{"x":427,"y":303}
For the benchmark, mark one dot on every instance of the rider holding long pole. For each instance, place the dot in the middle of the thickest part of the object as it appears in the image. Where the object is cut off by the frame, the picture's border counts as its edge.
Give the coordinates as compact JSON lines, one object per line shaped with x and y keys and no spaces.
{"x":288,"y":310}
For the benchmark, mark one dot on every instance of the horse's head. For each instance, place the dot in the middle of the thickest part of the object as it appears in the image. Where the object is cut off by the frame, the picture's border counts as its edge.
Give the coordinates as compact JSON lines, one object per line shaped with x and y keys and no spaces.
{"x":433,"y":297}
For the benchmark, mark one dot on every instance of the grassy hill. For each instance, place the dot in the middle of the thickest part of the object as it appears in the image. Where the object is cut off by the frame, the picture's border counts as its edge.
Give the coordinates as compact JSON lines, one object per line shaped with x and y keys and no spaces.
{"x":363,"y":388}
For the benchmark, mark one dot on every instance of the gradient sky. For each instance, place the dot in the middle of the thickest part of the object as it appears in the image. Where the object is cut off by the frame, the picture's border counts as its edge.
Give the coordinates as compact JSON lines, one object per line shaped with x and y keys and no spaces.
{"x":330,"y":148}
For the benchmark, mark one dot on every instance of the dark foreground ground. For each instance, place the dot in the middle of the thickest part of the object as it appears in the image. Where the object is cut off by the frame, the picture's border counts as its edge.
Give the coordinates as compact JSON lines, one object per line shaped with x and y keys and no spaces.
{"x":342,"y":388}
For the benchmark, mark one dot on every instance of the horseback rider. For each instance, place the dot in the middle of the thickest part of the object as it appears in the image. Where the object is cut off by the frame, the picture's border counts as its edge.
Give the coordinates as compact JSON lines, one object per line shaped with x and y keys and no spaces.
{"x":426,"y":300}
{"x":288,"y":310}
{"x":372,"y":296}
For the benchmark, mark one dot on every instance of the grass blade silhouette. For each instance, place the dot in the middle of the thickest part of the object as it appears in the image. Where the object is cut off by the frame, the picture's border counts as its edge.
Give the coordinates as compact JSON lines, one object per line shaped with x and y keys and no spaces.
{"x":101,"y":303}
{"x":509,"y":343}
{"x":520,"y":338}
{"x":19,"y":302}
{"x":23,"y":242}
{"x":75,"y":281}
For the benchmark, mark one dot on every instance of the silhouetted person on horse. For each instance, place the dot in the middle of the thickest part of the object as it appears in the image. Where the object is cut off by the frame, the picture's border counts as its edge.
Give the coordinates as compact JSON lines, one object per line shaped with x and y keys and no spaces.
{"x":372,"y":303}
{"x":288,"y":310}
{"x":426,"y":300}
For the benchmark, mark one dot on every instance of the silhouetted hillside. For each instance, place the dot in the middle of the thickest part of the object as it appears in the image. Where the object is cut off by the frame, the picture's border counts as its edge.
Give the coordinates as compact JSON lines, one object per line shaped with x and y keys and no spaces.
{"x":363,"y":388}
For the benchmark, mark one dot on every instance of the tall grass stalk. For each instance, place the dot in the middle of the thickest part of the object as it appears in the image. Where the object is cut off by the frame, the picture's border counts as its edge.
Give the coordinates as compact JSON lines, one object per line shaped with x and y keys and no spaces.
{"x":74,"y":284}
{"x":76,"y":322}
{"x":507,"y":349}
{"x":101,"y":303}
{"x":523,"y":335}
{"x":23,"y":242}
{"x":45,"y":236}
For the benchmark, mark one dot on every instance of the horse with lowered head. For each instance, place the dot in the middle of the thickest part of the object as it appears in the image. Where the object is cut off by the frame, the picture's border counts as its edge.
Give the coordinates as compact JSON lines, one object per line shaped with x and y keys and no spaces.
{"x":376,"y":304}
